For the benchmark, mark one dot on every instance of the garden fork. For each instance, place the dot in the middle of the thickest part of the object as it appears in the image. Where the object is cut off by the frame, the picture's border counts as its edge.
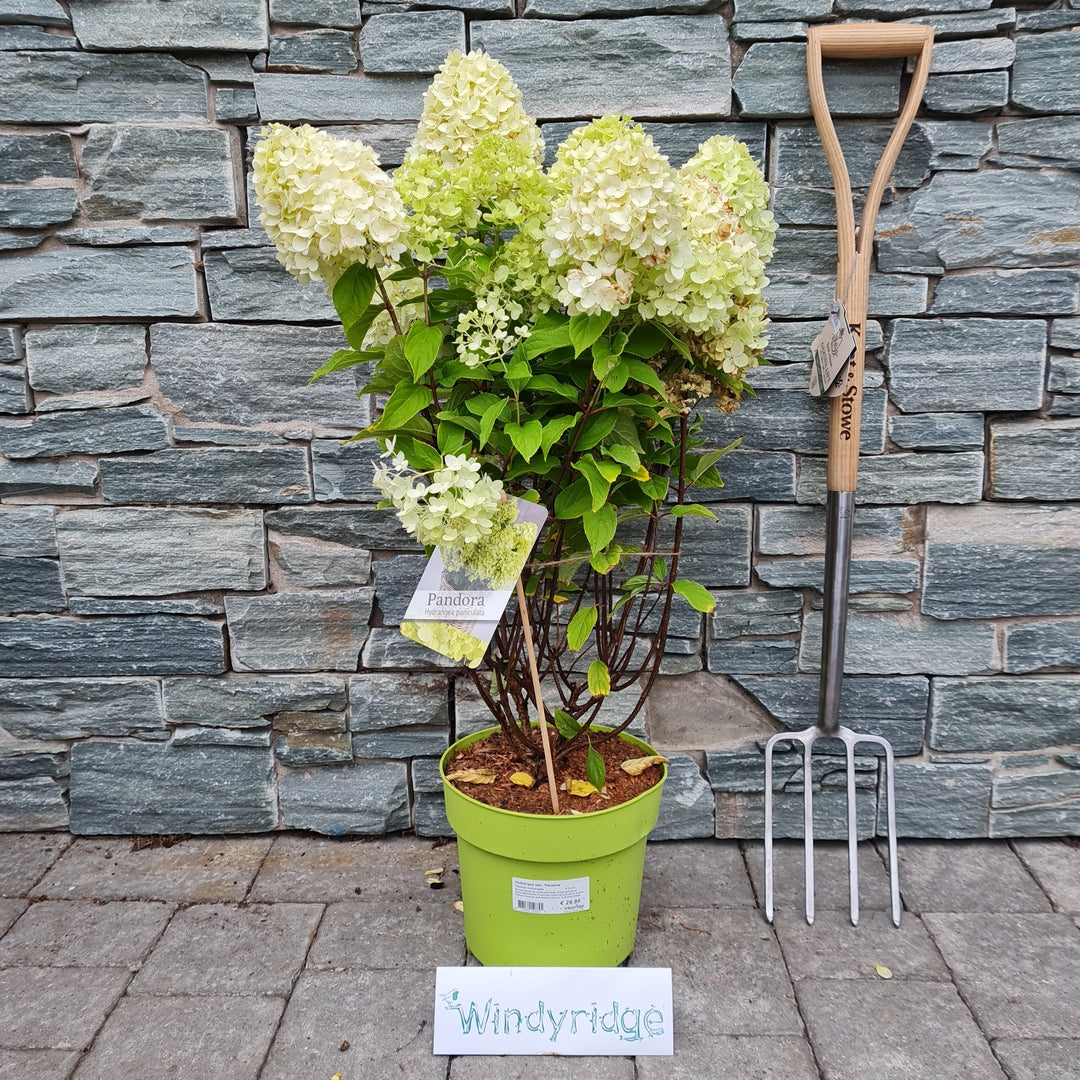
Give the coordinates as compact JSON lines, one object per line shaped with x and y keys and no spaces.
{"x":851,"y":41}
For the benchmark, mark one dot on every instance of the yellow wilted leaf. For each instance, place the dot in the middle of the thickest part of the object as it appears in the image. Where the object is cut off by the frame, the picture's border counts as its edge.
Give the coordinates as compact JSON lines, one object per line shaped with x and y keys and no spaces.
{"x":437,"y":872}
{"x":581,"y":788}
{"x":637,"y":765}
{"x":522,"y":779}
{"x":883,"y":971}
{"x":473,"y":776}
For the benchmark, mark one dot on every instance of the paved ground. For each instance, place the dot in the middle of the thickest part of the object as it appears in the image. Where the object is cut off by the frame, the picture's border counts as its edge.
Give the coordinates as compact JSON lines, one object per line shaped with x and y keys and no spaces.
{"x":297,"y":958}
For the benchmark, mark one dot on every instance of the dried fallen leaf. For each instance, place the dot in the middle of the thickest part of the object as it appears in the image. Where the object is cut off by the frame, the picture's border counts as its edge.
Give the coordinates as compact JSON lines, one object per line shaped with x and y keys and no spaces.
{"x":636,"y":766}
{"x":581,"y":788}
{"x":883,"y":971}
{"x":473,"y":776}
{"x":437,"y":872}
{"x":344,"y":1045}
{"x":459,"y":906}
{"x":434,"y":878}
{"x":522,"y":779}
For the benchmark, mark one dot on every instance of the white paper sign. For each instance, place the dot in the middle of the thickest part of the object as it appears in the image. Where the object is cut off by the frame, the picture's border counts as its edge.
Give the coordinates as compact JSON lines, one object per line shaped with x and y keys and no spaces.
{"x":831,"y":352}
{"x":551,"y":897}
{"x":539,"y":1010}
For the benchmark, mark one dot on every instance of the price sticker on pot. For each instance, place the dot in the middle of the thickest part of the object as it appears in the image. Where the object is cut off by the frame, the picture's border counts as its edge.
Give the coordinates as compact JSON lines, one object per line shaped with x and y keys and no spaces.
{"x":550,"y":897}
{"x":831,"y":351}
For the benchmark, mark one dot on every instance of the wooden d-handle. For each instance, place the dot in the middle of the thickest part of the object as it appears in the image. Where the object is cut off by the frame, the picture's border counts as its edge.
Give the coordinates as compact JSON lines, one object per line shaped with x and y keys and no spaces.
{"x":859,"y":41}
{"x":872,"y":41}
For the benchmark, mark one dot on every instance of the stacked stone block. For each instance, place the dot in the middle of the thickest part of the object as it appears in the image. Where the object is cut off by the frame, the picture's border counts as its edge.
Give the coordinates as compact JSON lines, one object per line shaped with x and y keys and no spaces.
{"x":198,"y":599}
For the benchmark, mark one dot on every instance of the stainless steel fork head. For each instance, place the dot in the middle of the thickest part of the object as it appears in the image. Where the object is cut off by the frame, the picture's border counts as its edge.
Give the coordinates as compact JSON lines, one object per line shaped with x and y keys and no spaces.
{"x":850,"y":740}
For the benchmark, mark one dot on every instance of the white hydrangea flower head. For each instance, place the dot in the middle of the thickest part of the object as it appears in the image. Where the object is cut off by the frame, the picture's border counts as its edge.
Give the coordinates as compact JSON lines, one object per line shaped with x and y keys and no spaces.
{"x":452,"y":505}
{"x":490,"y":330}
{"x":473,"y":95}
{"x":616,"y":212}
{"x":325,"y":203}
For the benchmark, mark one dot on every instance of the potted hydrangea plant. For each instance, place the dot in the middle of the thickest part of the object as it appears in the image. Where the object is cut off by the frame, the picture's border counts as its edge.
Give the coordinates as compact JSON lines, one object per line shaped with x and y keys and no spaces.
{"x":538,"y":338}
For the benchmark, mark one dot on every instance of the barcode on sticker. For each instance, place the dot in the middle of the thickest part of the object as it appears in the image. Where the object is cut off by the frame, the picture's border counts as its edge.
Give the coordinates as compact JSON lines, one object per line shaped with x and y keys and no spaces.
{"x":550,"y":897}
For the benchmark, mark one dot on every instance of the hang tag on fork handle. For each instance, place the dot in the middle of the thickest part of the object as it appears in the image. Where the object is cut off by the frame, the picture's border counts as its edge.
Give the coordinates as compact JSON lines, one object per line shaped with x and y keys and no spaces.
{"x":831,"y":352}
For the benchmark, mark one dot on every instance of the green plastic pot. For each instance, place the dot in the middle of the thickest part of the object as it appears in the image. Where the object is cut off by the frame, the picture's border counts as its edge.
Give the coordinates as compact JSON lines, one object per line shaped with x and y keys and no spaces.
{"x":526,"y":877}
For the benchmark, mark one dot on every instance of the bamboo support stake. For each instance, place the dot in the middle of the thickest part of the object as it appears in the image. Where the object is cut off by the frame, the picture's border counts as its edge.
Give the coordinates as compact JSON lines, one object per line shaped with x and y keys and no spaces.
{"x":526,"y":626}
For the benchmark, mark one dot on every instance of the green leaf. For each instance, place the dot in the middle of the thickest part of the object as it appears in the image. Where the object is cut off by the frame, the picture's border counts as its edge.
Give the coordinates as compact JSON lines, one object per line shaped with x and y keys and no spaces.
{"x":680,"y":345}
{"x":420,"y":455}
{"x":599,"y":485}
{"x":580,"y":627}
{"x":645,"y":375}
{"x":352,"y":295}
{"x":599,"y":679}
{"x":525,"y":437}
{"x":564,"y":723}
{"x":553,"y":385}
{"x":421,"y":347}
{"x":616,"y":378}
{"x":551,"y":331}
{"x":554,"y":431}
{"x":625,"y":455}
{"x":595,"y":769}
{"x":585,"y":329}
{"x":646,"y":341}
{"x":597,"y":427}
{"x":343,"y":358}
{"x":600,"y":527}
{"x":403,"y":404}
{"x":697,"y":596}
{"x":692,"y":510}
{"x":710,"y":478}
{"x":488,"y":420}
{"x":605,"y":561}
{"x":656,"y":488}
{"x":451,"y":438}
{"x":574,"y":500}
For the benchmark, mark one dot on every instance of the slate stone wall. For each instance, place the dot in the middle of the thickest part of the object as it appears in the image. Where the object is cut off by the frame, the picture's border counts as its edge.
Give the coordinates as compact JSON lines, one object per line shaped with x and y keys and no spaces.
{"x":198,"y":600}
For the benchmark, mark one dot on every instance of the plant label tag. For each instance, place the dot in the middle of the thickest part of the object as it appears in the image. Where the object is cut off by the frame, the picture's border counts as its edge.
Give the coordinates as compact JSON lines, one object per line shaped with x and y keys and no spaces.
{"x":550,"y":897}
{"x":831,"y":351}
{"x":553,"y":1010}
{"x":463,"y":591}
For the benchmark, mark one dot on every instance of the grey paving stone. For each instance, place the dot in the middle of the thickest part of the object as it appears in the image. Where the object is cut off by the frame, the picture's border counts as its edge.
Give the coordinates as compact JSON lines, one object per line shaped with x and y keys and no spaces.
{"x":964,"y":20}
{"x":1058,"y":819}
{"x":386,"y":648}
{"x":25,"y":857}
{"x":82,"y":87}
{"x":71,"y":359}
{"x":124,"y":552}
{"x":367,"y":797}
{"x":1019,"y":451}
{"x":834,"y":949}
{"x":218,"y":949}
{"x":84,"y":934}
{"x":1008,"y":967}
{"x":1054,"y":865}
{"x":190,"y":871}
{"x":896,"y":575}
{"x":344,"y":13}
{"x":344,"y":471}
{"x":1032,"y":786}
{"x":34,"y":208}
{"x":655,"y":67}
{"x":775,"y":1057}
{"x":966,"y":875}
{"x":41,"y":646}
{"x":541,"y":1068}
{"x":329,"y":1008}
{"x":413,"y":43}
{"x":800,"y":530}
{"x":757,"y":657}
{"x":1037,"y":1059}
{"x":214,"y":1038}
{"x":10,"y":910}
{"x":302,"y":748}
{"x":968,"y":93}
{"x":47,"y":478}
{"x":695,"y":874}
{"x":1049,"y":140}
{"x":30,"y":585}
{"x":930,"y":228}
{"x":389,"y":868}
{"x":274,"y":475}
{"x":429,"y":808}
{"x":27,"y":157}
{"x":158,"y":174}
{"x":1064,"y":374}
{"x":44,"y":1008}
{"x":1065,"y":334}
{"x":940,"y":365}
{"x":193,"y":24}
{"x":989,"y":560}
{"x":33,"y":802}
{"x":249,"y":283}
{"x":327,"y":51}
{"x":80,"y":283}
{"x":305,"y":563}
{"x":727,"y":971}
{"x":72,"y":708}
{"x":261,"y":374}
{"x":36,"y":1064}
{"x":384,"y":936}
{"x":89,"y":431}
{"x":355,"y":526}
{"x":687,"y":804}
{"x":249,"y":700}
{"x":925,"y":1026}
{"x":771,"y":83}
{"x":15,"y":395}
{"x":830,"y":877}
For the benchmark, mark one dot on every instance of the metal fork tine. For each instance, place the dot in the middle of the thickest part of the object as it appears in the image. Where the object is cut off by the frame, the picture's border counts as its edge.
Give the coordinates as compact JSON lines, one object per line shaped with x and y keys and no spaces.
{"x":808,"y":822}
{"x":769,"y":825}
{"x":852,"y":823}
{"x":890,"y":807}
